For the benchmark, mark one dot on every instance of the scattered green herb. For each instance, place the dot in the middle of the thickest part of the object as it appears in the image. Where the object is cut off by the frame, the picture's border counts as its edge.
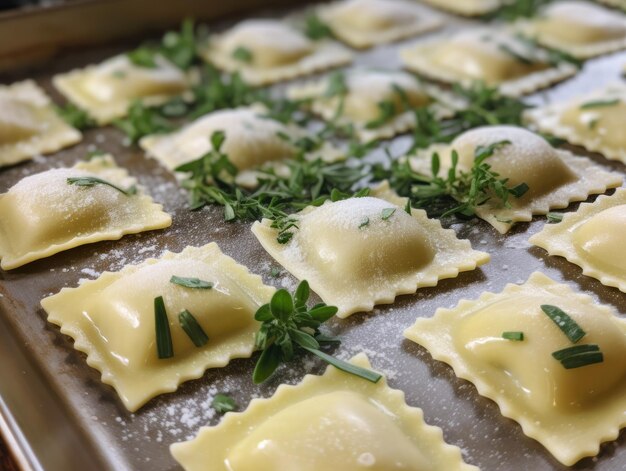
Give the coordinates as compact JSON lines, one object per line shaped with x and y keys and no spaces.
{"x":143,"y":120}
{"x":364,"y":222}
{"x":599,"y":103}
{"x":92,"y":181}
{"x":520,"y":57}
{"x":223,"y":403}
{"x":575,"y":350}
{"x":564,"y":322}
{"x":75,"y":117}
{"x":163,"y":334}
{"x":143,"y":57}
{"x":275,"y":272}
{"x":515,"y":336}
{"x":92,"y":154}
{"x":192,"y":328}
{"x":554,"y":217}
{"x":243,"y":54}
{"x":387,"y":213}
{"x":512,"y":11}
{"x":288,"y":324}
{"x":578,"y":361}
{"x":191,"y":282}
{"x":316,"y":29}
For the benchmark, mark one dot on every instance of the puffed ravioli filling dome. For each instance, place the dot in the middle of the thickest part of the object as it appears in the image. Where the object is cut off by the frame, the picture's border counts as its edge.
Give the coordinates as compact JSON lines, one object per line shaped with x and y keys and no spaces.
{"x":344,"y":430}
{"x":602,"y":237}
{"x":17,"y":121}
{"x":374,"y":15}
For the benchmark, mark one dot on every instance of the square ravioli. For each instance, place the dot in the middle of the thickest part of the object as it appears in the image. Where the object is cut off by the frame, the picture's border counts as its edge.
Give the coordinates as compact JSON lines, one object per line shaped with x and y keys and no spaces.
{"x":554,"y":177}
{"x":367,"y":23}
{"x":252,"y":141}
{"x":581,"y":29}
{"x":335,"y":421}
{"x":569,"y":402}
{"x":369,"y":93}
{"x":592,"y":238}
{"x":359,"y":252}
{"x":495,"y":57}
{"x":595,"y":121}
{"x":268,"y":51}
{"x":112,"y":319}
{"x":466,"y":7}
{"x":29,"y":125}
{"x":62,"y":208}
{"x":106,"y":90}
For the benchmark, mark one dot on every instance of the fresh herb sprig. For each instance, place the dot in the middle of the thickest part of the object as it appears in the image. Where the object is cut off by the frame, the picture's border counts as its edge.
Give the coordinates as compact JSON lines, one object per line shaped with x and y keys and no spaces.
{"x":289,"y":325}
{"x":512,"y":11}
{"x":315,"y":28}
{"x":93,"y":181}
{"x":75,"y":117}
{"x":143,"y":120}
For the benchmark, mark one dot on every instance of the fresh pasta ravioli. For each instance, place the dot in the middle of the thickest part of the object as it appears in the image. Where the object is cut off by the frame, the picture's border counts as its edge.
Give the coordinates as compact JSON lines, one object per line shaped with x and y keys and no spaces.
{"x":360,"y":252}
{"x":492,"y":56}
{"x":112,"y":320}
{"x":106,"y":90}
{"x":366,"y":23}
{"x":466,"y":7}
{"x":569,"y":410}
{"x":555,"y":177}
{"x":594,"y":121}
{"x":369,"y":94}
{"x":29,"y":125}
{"x":268,"y":51}
{"x":45,"y":213}
{"x":592,"y":238}
{"x":331,"y":422}
{"x":579,"y":28}
{"x":251,"y":141}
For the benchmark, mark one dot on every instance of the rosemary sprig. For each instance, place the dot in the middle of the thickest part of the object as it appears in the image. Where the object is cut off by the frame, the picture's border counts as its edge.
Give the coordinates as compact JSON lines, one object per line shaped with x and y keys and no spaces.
{"x":289,"y":325}
{"x":93,"y":181}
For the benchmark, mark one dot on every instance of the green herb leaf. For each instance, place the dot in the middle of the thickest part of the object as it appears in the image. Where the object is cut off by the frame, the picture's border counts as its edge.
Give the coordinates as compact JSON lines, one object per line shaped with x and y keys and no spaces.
{"x":364,"y":222}
{"x":516,"y":336}
{"x":275,"y":272}
{"x":75,"y":117}
{"x":516,"y":54}
{"x":323,"y":312}
{"x":267,"y":363}
{"x":301,"y":295}
{"x":242,"y":54}
{"x":223,"y":403}
{"x":264,"y":313}
{"x":519,"y":190}
{"x":518,"y":9}
{"x":564,"y":322}
{"x":575,"y":350}
{"x":191,"y":282}
{"x":141,"y":121}
{"x":303,"y":339}
{"x":599,"y":103}
{"x":192,"y":328}
{"x":143,"y":57}
{"x":316,"y":29}
{"x":387,"y":213}
{"x":281,"y":304}
{"x":162,"y":326}
{"x":584,"y":359}
{"x":554,"y":217}
{"x":93,"y":181}
{"x":364,"y":373}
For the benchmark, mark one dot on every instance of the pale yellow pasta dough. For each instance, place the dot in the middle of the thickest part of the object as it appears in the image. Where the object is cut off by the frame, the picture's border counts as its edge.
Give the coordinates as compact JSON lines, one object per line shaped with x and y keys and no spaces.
{"x":466,"y":7}
{"x":594,"y":121}
{"x":334,"y":421}
{"x":106,"y":90}
{"x":555,"y":177}
{"x":366,"y":23}
{"x":359,"y":252}
{"x":592,"y":238}
{"x":579,"y":28}
{"x":29,"y":125}
{"x":43,"y":214}
{"x":366,"y":90}
{"x":112,"y":320}
{"x":267,"y":51}
{"x":492,"y":56}
{"x":569,"y":411}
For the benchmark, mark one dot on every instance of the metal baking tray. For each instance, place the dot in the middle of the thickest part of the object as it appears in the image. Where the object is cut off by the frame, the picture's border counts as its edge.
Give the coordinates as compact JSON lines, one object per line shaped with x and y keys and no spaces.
{"x":56,"y":414}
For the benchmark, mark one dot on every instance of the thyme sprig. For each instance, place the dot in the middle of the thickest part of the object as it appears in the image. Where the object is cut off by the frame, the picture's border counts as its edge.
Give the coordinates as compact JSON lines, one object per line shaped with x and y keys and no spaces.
{"x":289,"y":325}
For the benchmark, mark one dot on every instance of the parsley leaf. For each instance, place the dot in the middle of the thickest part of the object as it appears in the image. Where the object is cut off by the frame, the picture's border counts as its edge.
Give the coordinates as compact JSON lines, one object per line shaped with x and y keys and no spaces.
{"x":75,"y":117}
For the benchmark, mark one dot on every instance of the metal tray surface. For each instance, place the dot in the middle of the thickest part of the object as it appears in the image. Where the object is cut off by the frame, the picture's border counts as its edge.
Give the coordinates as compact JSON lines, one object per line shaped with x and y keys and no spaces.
{"x":82,"y":418}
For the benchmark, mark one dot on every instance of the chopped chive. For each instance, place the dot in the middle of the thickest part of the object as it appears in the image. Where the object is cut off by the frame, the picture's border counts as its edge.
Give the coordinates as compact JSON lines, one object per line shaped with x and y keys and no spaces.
{"x":163,"y":334}
{"x":575,"y":350}
{"x":92,"y":181}
{"x":554,"y":217}
{"x":407,"y":207}
{"x":364,"y":222}
{"x":191,"y":327}
{"x":519,"y":190}
{"x":191,"y":282}
{"x":564,"y":322}
{"x":583,"y":359}
{"x":516,"y":336}
{"x":223,"y":403}
{"x":364,"y":373}
{"x":387,"y":213}
{"x":599,"y":103}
